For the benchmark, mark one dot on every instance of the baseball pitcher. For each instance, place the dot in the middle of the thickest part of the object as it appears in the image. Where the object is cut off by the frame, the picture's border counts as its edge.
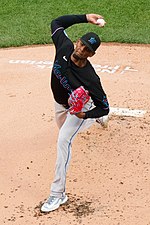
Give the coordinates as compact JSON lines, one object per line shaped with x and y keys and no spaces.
{"x":78,"y":94}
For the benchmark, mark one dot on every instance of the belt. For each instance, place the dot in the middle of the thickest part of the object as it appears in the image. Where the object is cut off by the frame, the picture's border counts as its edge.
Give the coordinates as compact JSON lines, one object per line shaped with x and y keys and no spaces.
{"x":65,"y":106}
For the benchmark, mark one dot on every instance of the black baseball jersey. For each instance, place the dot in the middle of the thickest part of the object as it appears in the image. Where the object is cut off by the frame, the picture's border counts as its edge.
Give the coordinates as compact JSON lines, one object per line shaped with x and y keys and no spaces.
{"x":66,"y":76}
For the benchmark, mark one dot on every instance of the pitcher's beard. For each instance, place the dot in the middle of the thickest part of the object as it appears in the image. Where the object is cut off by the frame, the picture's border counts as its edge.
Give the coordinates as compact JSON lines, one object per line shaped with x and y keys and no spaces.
{"x":77,"y":57}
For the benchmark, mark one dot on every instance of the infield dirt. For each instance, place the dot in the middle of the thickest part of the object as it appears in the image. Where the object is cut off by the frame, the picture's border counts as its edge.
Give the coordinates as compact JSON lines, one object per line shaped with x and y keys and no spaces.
{"x":108,"y":181}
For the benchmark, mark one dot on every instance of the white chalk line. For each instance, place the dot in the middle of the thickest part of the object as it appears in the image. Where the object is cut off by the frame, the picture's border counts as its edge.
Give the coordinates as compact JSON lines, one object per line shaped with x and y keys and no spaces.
{"x":127,"y":112}
{"x":98,"y":68}
{"x":45,"y":64}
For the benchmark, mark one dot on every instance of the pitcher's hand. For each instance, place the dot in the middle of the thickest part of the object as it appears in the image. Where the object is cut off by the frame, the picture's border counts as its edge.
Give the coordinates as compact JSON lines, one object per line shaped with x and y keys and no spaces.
{"x":80,"y":115}
{"x":92,"y":18}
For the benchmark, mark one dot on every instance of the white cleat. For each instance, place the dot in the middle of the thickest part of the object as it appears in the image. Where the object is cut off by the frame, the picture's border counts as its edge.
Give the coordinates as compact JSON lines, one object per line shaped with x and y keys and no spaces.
{"x":53,"y":203}
{"x":103,"y":121}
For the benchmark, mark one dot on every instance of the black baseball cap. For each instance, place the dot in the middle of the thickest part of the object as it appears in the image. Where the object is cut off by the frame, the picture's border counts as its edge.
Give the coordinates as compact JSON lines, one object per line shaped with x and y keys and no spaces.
{"x":91,"y":40}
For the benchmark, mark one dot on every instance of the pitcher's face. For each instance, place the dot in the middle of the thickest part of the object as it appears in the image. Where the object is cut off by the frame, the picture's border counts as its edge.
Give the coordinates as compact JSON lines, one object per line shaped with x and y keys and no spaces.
{"x":81,"y":51}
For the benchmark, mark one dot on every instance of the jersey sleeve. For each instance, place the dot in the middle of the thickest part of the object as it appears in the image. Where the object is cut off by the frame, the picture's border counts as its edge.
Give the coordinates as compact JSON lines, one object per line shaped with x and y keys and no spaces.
{"x":100,"y":101}
{"x":59,"y":25}
{"x":100,"y":110}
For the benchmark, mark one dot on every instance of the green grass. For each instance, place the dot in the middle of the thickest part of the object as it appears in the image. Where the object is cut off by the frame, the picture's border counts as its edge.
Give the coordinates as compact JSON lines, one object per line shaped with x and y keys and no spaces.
{"x":25,"y":22}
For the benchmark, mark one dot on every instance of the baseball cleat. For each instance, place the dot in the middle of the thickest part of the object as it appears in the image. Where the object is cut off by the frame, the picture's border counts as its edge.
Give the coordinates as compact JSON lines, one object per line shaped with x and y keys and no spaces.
{"x":103,"y":121}
{"x":53,"y":203}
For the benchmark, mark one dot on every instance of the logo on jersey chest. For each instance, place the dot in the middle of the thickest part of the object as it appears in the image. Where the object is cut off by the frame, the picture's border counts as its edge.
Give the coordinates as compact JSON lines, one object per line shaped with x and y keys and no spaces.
{"x":63,"y":80}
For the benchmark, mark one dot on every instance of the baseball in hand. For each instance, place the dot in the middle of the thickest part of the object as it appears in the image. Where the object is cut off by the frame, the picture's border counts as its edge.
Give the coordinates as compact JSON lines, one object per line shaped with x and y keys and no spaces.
{"x":101,"y":22}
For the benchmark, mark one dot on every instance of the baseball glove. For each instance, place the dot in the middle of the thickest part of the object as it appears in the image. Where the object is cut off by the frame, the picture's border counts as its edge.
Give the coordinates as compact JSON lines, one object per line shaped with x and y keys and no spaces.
{"x":78,"y":99}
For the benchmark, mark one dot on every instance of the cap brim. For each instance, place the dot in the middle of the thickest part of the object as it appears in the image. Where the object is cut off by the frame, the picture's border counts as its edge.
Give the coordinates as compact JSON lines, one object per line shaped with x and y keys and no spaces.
{"x":86,"y":43}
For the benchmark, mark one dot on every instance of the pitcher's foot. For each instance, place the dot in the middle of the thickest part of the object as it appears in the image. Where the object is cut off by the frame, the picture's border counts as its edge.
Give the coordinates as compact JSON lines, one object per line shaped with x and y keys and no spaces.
{"x":103,"y":121}
{"x":53,"y":203}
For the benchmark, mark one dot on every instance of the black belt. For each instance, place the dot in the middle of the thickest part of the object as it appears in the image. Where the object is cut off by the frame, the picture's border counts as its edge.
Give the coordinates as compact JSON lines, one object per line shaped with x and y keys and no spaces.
{"x":65,"y":106}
